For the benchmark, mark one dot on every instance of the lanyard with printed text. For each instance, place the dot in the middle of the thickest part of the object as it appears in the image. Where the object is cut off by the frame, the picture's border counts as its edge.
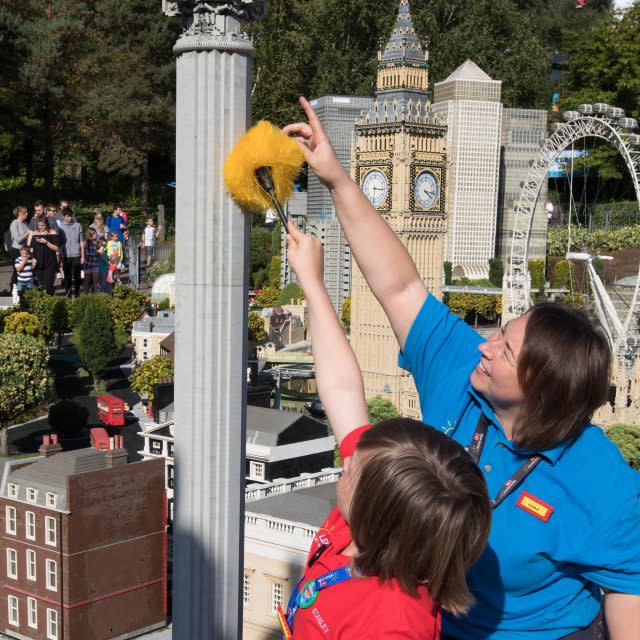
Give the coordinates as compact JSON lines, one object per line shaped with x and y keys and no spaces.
{"x":475,"y":451}
{"x":304,"y":596}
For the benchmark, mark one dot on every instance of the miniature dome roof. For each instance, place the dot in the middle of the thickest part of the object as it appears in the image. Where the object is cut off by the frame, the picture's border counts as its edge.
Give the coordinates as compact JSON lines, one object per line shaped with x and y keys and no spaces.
{"x":164,"y":287}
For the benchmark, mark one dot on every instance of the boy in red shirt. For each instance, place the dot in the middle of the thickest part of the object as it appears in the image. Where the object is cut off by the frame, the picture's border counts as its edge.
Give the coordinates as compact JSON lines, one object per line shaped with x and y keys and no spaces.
{"x":412,"y":511}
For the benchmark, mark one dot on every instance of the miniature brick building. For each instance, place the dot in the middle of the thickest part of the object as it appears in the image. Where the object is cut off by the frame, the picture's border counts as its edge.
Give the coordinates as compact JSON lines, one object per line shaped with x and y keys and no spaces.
{"x":83,"y":552}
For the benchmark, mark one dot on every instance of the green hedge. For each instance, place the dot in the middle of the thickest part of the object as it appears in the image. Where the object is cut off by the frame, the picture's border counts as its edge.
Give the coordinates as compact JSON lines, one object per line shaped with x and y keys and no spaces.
{"x":598,"y":240}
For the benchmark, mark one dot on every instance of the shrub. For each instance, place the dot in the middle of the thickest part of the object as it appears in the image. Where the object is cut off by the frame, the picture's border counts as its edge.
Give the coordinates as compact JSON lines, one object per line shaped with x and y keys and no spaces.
{"x":496,"y":272}
{"x":25,"y":379}
{"x":574,"y":300}
{"x":78,"y":309}
{"x":381,"y":409}
{"x":536,"y":270}
{"x":290,"y":292}
{"x":627,"y":438}
{"x":151,"y":372}
{"x":67,"y":417}
{"x":25,"y":324}
{"x":562,"y":274}
{"x":274,"y":272}
{"x":276,"y":235}
{"x":51,"y":311}
{"x":345,"y":315}
{"x":257,"y":332}
{"x":127,"y":306}
{"x":267,"y":297}
{"x":448,"y":272}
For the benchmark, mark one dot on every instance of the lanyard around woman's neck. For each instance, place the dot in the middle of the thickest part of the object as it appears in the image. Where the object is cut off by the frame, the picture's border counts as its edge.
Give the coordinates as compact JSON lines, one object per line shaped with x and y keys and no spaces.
{"x":475,"y":448}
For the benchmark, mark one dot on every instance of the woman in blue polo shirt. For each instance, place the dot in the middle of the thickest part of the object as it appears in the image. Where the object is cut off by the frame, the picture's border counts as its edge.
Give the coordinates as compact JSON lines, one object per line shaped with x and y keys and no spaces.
{"x":564,"y":547}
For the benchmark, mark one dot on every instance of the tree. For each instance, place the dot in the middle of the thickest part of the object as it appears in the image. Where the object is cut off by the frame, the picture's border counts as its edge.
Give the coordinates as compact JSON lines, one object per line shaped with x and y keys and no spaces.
{"x":267,"y":297}
{"x":562,"y":274}
{"x":274,"y":272}
{"x":94,"y":338}
{"x":68,"y":417}
{"x":52,"y":312}
{"x":149,"y":373}
{"x":257,"y":332}
{"x":79,"y":307}
{"x":127,"y":305}
{"x":496,"y":272}
{"x":380,"y":408}
{"x":627,"y":438}
{"x":448,"y":272}
{"x":345,"y":315}
{"x":276,"y":239}
{"x":536,"y":270}
{"x":25,"y":324}
{"x":25,"y":379}
{"x":290,"y":292}
{"x":260,"y":249}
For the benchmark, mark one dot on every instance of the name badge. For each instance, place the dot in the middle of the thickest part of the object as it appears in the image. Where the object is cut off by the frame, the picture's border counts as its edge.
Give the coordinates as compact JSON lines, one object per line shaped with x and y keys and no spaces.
{"x":308,"y":594}
{"x":535,"y":506}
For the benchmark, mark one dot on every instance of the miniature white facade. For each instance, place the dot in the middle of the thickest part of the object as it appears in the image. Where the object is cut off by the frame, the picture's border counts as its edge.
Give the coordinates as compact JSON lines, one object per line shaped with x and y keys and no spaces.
{"x":147,"y":334}
{"x":468,"y":102}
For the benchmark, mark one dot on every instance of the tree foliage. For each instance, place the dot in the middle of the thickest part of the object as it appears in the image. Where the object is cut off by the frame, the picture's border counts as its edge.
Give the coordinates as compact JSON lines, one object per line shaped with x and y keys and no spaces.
{"x":274,"y":272}
{"x":345,"y":315}
{"x":536,"y":271}
{"x":627,"y":438}
{"x":380,"y":408}
{"x":127,"y":306}
{"x":257,"y":332}
{"x":562,"y":274}
{"x":94,"y":337}
{"x":267,"y":298}
{"x":25,"y":324}
{"x":496,"y":272}
{"x":52,"y":312}
{"x":290,"y":292}
{"x":149,"y":373}
{"x":68,"y":417}
{"x":25,"y":379}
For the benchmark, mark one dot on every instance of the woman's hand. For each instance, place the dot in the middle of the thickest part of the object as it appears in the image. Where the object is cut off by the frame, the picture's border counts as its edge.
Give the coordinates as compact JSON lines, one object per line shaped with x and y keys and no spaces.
{"x":318,"y":150}
{"x":306,"y":257}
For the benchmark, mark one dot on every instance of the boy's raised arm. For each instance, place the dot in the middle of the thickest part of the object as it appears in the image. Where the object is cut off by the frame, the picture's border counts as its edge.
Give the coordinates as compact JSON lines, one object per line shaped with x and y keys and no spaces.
{"x":338,"y":376}
{"x":384,"y":261}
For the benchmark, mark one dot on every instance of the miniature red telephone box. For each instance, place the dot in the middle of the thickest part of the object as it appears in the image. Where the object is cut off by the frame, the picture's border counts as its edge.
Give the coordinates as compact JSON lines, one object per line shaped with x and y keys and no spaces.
{"x":111,"y":410}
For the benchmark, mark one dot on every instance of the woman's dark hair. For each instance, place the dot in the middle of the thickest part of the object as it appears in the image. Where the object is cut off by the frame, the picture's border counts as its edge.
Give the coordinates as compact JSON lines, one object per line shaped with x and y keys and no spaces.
{"x":563,"y":371}
{"x":420,"y":512}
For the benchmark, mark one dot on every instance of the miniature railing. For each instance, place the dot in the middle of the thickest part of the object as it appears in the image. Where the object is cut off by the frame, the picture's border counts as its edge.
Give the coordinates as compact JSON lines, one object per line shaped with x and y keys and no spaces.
{"x":278,"y":526}
{"x":258,"y":491}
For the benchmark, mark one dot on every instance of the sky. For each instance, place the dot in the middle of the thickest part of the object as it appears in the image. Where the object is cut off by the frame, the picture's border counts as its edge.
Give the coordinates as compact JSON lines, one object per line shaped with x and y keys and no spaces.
{"x":621,"y":4}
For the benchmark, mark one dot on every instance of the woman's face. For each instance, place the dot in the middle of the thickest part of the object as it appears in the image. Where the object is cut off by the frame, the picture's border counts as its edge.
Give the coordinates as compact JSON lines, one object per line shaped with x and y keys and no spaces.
{"x":496,"y":375}
{"x":22,"y":216}
{"x":42,"y":225}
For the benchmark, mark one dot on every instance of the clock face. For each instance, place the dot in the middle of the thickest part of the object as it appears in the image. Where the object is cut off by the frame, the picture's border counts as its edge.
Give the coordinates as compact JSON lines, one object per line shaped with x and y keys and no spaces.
{"x":376,"y":187}
{"x":426,"y":191}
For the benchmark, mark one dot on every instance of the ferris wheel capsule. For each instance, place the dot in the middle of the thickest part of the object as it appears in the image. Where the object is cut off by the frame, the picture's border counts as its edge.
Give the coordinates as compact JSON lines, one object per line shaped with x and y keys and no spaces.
{"x":614,"y":112}
{"x":628,"y":123}
{"x":600,"y":107}
{"x":585,"y":109}
{"x":570,"y":115}
{"x":634,"y":139}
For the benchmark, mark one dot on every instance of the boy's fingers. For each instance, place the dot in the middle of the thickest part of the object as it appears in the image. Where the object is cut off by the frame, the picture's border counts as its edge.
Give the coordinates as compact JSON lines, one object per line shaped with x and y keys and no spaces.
{"x":299,"y":128}
{"x":294,"y":231}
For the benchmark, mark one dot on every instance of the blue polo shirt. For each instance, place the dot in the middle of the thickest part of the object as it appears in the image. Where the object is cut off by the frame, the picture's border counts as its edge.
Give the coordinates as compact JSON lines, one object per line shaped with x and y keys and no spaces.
{"x":113,"y":225}
{"x":537,"y":579}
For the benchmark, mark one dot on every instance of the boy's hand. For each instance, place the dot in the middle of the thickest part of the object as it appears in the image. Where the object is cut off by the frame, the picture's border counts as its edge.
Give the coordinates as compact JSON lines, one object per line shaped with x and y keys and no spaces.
{"x":318,"y":150}
{"x":305,"y":255}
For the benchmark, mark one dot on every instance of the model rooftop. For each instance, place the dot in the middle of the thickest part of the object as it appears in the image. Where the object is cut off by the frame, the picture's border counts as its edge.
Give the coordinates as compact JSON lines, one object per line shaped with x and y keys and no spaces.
{"x":164,"y":322}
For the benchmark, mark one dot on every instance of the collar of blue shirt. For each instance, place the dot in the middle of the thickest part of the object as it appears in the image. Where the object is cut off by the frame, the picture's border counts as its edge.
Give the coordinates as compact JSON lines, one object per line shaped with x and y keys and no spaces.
{"x":552,"y":455}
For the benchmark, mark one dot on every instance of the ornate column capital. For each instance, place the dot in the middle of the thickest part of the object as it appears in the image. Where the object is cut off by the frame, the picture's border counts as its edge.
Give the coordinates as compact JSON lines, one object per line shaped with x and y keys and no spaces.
{"x":214,"y":24}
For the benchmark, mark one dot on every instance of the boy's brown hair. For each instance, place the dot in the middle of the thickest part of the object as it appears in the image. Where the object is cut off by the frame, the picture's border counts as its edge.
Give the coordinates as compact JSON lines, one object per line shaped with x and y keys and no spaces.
{"x":420,"y":512}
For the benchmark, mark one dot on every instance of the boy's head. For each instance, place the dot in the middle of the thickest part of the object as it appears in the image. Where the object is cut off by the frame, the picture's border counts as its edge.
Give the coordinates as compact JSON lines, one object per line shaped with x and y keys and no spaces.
{"x":419,"y":512}
{"x":149,"y":222}
{"x":24,"y":252}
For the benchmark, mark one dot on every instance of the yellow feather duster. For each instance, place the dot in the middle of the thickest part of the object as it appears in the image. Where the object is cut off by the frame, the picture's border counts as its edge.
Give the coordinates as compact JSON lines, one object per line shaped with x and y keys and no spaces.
{"x":262,"y":146}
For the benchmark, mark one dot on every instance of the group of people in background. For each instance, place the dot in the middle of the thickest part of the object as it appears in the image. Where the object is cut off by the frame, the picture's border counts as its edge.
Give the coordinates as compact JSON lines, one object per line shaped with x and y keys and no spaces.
{"x":53,"y":244}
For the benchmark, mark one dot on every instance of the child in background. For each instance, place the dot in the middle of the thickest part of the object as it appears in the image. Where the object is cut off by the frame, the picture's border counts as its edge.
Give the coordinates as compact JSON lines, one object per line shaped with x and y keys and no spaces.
{"x":25,"y":265}
{"x":114,"y":248}
{"x":412,"y":515}
{"x":149,"y":236}
{"x":103,"y":267}
{"x":113,"y":274}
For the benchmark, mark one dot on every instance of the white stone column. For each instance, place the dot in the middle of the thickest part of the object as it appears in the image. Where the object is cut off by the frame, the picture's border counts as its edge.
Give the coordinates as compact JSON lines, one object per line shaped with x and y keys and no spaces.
{"x":213,"y":112}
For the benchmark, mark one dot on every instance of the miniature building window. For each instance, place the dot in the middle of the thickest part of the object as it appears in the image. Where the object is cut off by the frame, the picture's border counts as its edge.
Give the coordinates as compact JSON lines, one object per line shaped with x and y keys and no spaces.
{"x":246,"y":588}
{"x":277,"y":596}
{"x":12,"y":564}
{"x":256,"y":470}
{"x":12,"y":490}
{"x":51,"y":499}
{"x":30,"y":525}
{"x":31,"y":564}
{"x":52,"y":575}
{"x":32,"y":494}
{"x":145,"y":342}
{"x":52,"y":624}
{"x":50,"y":529}
{"x":32,"y":613}
{"x":12,"y":606}
{"x":10,"y":520}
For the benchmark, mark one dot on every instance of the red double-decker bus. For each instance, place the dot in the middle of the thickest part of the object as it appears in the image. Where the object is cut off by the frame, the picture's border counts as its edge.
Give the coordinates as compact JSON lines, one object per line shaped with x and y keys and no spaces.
{"x":111,"y":410}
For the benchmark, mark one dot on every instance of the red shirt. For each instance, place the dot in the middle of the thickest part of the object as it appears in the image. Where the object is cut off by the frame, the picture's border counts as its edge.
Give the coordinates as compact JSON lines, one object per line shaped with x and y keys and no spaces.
{"x":361,"y":608}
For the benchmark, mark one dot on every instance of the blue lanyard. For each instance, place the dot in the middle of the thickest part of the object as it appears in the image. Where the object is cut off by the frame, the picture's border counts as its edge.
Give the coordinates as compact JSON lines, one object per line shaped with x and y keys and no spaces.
{"x":304,"y":597}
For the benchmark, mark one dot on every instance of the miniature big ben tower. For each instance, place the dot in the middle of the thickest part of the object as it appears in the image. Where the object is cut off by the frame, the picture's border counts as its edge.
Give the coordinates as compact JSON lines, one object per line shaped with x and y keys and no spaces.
{"x":399,"y":161}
